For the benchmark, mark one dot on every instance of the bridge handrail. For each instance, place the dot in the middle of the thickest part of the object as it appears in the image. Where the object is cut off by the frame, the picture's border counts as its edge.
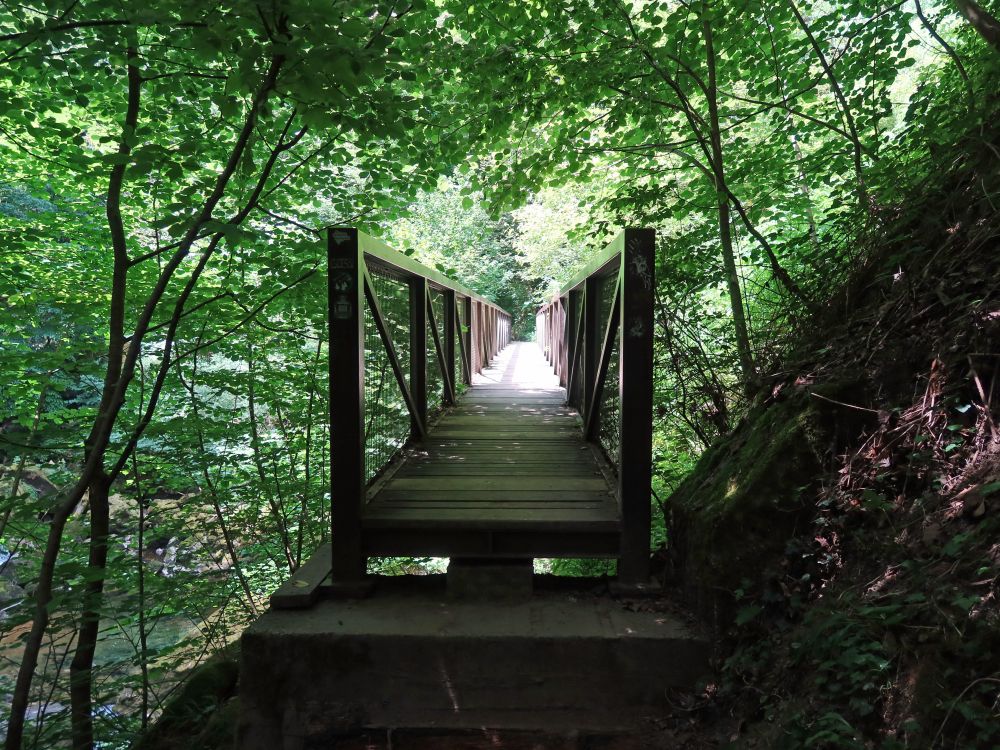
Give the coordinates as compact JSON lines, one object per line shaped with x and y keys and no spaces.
{"x":597,"y":330}
{"x":374,"y":292}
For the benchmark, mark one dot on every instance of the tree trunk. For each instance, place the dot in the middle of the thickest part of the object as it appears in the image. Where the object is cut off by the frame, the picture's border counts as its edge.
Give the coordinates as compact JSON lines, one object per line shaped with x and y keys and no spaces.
{"x":987,"y":26}
{"x":80,"y":677}
{"x":725,"y":229}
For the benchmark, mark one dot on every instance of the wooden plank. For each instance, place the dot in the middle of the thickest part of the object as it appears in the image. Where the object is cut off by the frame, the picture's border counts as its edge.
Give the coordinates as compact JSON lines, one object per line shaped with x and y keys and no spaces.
{"x":475,"y":518}
{"x":508,"y":459}
{"x":491,"y":505}
{"x":553,"y":434}
{"x":543,"y":447}
{"x":492,"y":470}
{"x":554,"y":496}
{"x":302,"y":589}
{"x":473,"y":463}
{"x":501,"y":424}
{"x":484,"y":399}
{"x":501,"y":428}
{"x":491,"y":444}
{"x":480,"y":483}
{"x":510,"y":543}
{"x":510,"y":421}
{"x":473,"y":457}
{"x":510,"y":407}
{"x":602,"y":513}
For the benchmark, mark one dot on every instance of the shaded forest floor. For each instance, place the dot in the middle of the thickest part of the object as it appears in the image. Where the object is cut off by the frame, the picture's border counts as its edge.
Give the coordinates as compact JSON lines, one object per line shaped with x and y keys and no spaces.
{"x":867,"y":613}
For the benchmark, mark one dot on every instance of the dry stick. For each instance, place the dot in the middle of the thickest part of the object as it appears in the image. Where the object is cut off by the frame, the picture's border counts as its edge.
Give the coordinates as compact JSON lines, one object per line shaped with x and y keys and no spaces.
{"x":292,"y":474}
{"x":951,"y":708}
{"x":983,"y":398}
{"x":55,"y":682}
{"x":843,"y":403}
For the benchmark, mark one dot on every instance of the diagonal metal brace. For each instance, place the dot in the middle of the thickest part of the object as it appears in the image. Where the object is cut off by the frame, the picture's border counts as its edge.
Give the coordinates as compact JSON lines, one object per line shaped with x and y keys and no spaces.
{"x":397,"y":369}
{"x":449,"y":387}
{"x":602,"y":372}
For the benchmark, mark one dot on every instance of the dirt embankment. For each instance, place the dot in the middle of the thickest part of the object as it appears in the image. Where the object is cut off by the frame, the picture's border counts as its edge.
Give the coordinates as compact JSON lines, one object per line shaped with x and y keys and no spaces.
{"x":845,"y":539}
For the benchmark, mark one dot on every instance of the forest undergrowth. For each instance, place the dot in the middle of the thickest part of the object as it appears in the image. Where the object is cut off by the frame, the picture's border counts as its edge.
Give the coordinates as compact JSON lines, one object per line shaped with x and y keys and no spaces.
{"x":878,"y":625}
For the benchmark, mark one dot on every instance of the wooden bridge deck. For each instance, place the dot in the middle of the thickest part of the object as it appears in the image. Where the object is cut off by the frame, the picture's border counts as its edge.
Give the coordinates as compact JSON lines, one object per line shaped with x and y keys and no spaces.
{"x":505,"y":472}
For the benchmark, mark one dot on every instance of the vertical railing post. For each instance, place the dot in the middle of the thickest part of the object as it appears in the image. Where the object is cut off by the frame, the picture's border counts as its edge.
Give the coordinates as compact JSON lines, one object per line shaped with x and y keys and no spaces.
{"x":572,"y":324}
{"x":487,"y":334}
{"x":591,"y":341}
{"x":548,"y":333}
{"x":480,"y":326}
{"x":418,"y":351}
{"x":564,"y":343}
{"x":635,"y":392}
{"x":493,"y":332}
{"x":449,"y":337}
{"x":467,"y":337}
{"x":345,"y":263}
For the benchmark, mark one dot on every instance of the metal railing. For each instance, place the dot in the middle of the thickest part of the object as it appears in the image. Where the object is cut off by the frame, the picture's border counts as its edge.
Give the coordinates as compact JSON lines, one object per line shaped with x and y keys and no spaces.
{"x":404,"y":339}
{"x":598,"y":335}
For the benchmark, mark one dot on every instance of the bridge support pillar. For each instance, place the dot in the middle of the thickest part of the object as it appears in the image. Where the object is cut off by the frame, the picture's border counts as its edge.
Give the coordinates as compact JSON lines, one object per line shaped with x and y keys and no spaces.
{"x":476,"y":578}
{"x":635,"y":473}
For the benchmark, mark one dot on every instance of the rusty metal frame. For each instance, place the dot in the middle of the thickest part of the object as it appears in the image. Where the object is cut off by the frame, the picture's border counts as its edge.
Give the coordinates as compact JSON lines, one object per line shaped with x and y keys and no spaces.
{"x":350,"y":253}
{"x":570,"y":340}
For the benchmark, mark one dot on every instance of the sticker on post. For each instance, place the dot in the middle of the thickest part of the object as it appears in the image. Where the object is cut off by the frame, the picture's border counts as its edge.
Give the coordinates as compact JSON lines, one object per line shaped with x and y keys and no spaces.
{"x":341,"y":307}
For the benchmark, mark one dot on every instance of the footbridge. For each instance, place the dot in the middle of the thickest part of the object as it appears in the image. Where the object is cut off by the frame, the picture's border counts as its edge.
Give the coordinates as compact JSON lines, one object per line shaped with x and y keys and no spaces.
{"x":449,"y":439}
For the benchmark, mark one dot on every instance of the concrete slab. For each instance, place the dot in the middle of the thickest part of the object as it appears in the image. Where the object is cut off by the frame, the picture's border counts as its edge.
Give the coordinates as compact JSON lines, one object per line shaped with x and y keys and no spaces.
{"x":486,"y":579}
{"x":410,"y":657}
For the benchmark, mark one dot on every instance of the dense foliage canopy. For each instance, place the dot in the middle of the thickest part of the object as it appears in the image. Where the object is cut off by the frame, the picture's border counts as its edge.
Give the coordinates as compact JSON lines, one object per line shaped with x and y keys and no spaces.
{"x":169,"y":167}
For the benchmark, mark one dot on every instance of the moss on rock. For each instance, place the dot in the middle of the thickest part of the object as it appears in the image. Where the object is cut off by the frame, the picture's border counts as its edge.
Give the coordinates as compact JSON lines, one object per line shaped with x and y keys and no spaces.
{"x":203,"y":715}
{"x":747,"y":496}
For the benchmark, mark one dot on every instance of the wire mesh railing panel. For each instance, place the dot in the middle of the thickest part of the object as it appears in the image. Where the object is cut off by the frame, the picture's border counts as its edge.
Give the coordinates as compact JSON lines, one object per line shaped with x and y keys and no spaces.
{"x":474,"y":348}
{"x":435,"y":381}
{"x":461,"y":329}
{"x":609,"y":424}
{"x":574,"y":393}
{"x":387,"y":419}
